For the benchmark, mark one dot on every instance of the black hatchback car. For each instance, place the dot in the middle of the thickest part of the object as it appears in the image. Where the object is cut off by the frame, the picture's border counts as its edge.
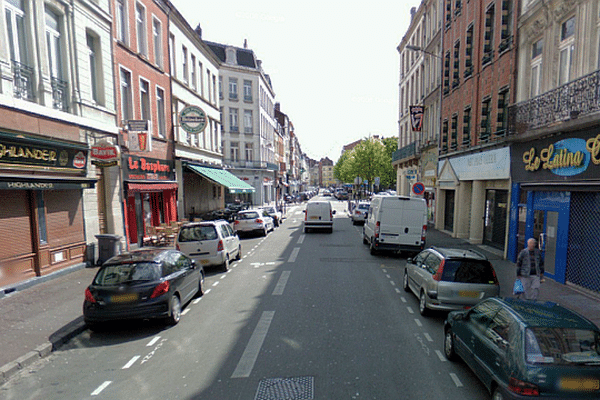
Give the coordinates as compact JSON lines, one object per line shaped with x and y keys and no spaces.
{"x":523,"y":349}
{"x":143,"y":284}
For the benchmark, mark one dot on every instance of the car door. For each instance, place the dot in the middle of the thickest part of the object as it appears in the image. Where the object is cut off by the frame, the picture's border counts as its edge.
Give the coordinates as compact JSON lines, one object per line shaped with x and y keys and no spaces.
{"x":430,"y":267}
{"x":190,"y":282}
{"x":495,"y":353}
{"x":415,"y":276}
{"x":234,"y":242}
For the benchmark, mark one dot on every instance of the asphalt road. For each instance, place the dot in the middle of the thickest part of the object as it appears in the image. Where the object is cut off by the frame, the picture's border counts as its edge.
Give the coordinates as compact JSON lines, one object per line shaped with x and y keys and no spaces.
{"x":301,"y":316}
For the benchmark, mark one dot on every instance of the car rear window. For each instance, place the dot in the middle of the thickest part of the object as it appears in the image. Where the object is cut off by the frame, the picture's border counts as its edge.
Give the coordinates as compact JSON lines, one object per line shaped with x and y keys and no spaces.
{"x":468,"y":271}
{"x":248,"y":215}
{"x":363,"y":206}
{"x":111,"y":275}
{"x":545,"y":345}
{"x":196,"y":233}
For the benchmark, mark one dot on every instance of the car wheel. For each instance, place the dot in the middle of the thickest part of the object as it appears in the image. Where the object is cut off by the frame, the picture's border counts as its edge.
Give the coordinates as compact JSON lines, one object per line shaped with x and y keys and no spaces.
{"x":449,"y":345}
{"x":365,"y":241}
{"x":175,"y":310}
{"x":497,"y":395}
{"x":405,"y":282}
{"x":423,"y":303}
{"x":225,"y":265}
{"x":372,"y":248}
{"x":239,"y":254}
{"x":330,"y":230}
{"x":200,"y":285}
{"x":264,"y":233}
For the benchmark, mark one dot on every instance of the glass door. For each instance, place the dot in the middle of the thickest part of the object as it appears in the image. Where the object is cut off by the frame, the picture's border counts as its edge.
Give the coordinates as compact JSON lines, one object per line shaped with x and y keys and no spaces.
{"x":548,"y":241}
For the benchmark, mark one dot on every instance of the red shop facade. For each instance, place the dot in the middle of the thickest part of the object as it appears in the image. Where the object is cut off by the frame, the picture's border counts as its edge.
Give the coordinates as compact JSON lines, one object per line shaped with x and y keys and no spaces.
{"x":150,"y":195}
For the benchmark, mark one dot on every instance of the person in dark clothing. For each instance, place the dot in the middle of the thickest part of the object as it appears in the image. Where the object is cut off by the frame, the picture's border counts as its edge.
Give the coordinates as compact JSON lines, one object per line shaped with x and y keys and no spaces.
{"x":530,"y":270}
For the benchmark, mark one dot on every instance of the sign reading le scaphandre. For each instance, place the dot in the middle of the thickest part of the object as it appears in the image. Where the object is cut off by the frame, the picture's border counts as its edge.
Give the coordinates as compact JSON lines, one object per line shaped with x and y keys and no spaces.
{"x":192,"y":119}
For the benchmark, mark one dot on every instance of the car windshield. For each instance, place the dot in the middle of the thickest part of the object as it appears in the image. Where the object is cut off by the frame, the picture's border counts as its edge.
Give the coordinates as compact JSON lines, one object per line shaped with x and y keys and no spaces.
{"x":270,"y":210}
{"x":562,"y":346}
{"x":196,"y":233}
{"x":248,"y":215}
{"x":468,"y":271}
{"x":363,"y":206}
{"x":111,"y":275}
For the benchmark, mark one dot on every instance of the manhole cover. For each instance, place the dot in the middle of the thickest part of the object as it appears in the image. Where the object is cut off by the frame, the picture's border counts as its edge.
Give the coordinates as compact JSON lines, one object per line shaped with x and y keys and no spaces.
{"x":300,"y":388}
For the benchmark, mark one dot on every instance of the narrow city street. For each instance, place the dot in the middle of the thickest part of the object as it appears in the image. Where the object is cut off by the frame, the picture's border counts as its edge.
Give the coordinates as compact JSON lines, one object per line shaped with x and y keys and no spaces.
{"x":300,"y":313}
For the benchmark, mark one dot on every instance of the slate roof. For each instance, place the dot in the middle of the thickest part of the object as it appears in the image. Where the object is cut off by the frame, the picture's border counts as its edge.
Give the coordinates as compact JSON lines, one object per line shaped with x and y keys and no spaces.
{"x":244,"y":57}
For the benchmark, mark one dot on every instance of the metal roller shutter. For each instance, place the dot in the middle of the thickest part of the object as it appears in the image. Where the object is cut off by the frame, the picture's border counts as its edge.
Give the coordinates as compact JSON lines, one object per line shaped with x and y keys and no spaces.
{"x":15,"y":225}
{"x":64,"y":217}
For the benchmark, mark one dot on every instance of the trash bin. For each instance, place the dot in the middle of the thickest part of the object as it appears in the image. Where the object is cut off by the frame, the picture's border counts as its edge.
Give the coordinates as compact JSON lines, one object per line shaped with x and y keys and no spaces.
{"x":108,"y":246}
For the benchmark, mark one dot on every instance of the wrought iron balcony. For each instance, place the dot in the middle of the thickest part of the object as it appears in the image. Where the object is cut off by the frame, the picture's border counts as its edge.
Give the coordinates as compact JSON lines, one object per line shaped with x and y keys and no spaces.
{"x":22,"y":81}
{"x":569,"y":101}
{"x":406,"y":152}
{"x":59,"y":95}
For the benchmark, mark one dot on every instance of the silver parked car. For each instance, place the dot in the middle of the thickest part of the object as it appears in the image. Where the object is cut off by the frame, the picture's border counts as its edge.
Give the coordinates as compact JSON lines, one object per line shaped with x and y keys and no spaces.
{"x":209,"y":243}
{"x":450,"y":279}
{"x":359,"y":212}
{"x":253,"y":221}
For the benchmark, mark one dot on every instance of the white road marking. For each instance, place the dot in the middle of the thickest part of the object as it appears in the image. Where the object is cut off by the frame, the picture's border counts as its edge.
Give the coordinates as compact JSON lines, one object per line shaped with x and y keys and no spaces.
{"x":440,"y":356}
{"x":387,"y":276}
{"x":397,"y":290}
{"x":403,"y":299}
{"x":278,"y":291}
{"x":131,"y":362}
{"x":187,"y":310}
{"x":101,"y":388}
{"x":207,"y":291}
{"x":257,"y":264}
{"x":457,"y":381}
{"x":393,"y":283}
{"x":429,"y":339}
{"x":223,"y":276}
{"x":418,"y":322}
{"x":197,"y":300}
{"x":246,"y":363}
{"x":385,"y":272}
{"x":216,"y":283}
{"x":270,"y":263}
{"x":294,"y":255}
{"x":151,"y":343}
{"x":410,"y":310}
{"x":301,"y":239}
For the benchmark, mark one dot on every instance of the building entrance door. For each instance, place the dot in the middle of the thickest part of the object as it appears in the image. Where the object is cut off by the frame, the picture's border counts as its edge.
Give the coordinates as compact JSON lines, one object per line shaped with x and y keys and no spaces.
{"x":449,"y":211}
{"x":545,"y":227}
{"x":496,"y":207}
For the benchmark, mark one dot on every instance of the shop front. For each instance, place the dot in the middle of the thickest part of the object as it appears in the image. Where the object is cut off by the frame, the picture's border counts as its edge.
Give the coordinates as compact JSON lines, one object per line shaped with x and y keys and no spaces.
{"x":41,"y":208}
{"x":556,"y":200}
{"x":428,"y":175}
{"x":150,"y":195}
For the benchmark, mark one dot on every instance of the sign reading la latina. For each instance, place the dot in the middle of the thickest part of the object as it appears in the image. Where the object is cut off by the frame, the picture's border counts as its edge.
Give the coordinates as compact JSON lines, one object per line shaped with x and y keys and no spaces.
{"x":567,"y":157}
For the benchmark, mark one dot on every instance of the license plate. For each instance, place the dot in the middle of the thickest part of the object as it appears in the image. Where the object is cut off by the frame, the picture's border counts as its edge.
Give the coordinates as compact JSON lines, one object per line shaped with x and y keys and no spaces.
{"x":314,"y":217}
{"x":583,"y":384}
{"x":468,"y":293}
{"x":124,"y":298}
{"x":203,"y":262}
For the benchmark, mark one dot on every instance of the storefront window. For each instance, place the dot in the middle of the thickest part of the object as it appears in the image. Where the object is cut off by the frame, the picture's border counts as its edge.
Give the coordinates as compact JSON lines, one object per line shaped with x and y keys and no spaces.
{"x":41,"y":211}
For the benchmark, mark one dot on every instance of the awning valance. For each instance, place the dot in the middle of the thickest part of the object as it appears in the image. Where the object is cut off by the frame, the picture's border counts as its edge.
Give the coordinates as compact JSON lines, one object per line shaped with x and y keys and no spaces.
{"x":151,"y":187}
{"x":42,"y":182}
{"x":224,"y":178}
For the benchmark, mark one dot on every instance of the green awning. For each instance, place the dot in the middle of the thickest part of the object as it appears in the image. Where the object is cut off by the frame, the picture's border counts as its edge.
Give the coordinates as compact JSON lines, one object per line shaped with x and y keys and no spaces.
{"x":224,"y":178}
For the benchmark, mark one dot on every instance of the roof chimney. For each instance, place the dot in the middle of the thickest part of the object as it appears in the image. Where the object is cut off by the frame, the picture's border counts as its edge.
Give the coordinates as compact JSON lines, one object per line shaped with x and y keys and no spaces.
{"x":199,"y":31}
{"x":245,"y":43}
{"x":413,"y":11}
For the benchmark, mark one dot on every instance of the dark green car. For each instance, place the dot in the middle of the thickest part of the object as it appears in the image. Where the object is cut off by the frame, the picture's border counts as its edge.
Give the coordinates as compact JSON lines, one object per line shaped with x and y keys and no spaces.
{"x":522,"y":349}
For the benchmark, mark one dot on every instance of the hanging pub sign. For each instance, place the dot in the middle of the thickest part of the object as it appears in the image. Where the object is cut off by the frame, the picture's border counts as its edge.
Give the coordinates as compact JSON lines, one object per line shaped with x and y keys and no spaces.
{"x":416,"y":118}
{"x":41,"y":154}
{"x":138,"y":135}
{"x":565,"y":158}
{"x":105,"y":154}
{"x":147,"y":169}
{"x":192,"y":119}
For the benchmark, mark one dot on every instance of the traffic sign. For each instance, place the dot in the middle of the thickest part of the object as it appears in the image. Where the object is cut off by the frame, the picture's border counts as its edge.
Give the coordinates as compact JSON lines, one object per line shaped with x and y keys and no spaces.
{"x":418,"y":188}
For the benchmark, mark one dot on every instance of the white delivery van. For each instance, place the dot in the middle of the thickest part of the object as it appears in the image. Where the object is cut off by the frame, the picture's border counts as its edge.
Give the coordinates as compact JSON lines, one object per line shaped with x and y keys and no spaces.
{"x":318,"y":215}
{"x":396,"y":223}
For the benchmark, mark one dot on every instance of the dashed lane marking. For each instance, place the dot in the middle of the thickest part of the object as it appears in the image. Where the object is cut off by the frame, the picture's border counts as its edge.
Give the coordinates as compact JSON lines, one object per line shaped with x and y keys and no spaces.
{"x":387,"y":276}
{"x":457,"y":381}
{"x":429,"y":339}
{"x":215,"y":284}
{"x":385,"y":272}
{"x":101,"y":388}
{"x":294,"y":255}
{"x":418,"y":322}
{"x":403,"y":299}
{"x":197,"y":300}
{"x":410,"y":310}
{"x":187,"y":310}
{"x":246,"y":363}
{"x":397,"y":290}
{"x":301,"y":239}
{"x":207,"y":291}
{"x":270,"y":263}
{"x":440,"y":356}
{"x":278,"y":291}
{"x":393,"y":283}
{"x":153,"y":341}
{"x":131,"y":362}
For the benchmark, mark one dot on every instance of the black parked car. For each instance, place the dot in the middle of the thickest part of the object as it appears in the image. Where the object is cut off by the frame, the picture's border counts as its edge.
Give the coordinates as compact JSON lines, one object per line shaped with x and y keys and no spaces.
{"x":143,"y":284}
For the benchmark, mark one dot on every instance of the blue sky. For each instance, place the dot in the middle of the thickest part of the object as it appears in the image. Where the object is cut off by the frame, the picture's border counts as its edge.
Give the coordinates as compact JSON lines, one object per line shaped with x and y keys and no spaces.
{"x":334,"y":64}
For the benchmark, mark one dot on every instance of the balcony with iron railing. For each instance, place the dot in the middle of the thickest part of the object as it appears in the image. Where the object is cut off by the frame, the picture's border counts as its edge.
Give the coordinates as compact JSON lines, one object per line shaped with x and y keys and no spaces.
{"x":251,"y":164}
{"x":573,"y":100}
{"x":22,"y":81}
{"x":407,"y":152}
{"x":59,"y":94}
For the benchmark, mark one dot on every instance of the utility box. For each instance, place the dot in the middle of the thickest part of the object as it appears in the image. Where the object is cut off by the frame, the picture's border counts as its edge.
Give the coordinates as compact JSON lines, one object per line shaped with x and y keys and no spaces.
{"x":108,"y":246}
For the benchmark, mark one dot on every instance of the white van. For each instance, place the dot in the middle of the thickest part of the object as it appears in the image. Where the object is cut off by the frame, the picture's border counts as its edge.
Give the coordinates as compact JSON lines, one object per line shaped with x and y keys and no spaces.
{"x":396,"y":223}
{"x":318,"y":215}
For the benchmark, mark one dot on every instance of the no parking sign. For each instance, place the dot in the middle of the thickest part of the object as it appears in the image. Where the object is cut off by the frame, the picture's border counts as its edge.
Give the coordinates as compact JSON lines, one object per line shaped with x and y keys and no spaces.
{"x":418,"y":188}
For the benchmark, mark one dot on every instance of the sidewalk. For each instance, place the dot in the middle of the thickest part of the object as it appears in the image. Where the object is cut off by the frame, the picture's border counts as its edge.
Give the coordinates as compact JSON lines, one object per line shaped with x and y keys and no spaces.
{"x":38,"y":319}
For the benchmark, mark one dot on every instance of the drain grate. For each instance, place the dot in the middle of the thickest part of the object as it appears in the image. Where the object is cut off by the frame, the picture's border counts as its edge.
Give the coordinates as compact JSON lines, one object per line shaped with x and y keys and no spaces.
{"x":299,"y":388}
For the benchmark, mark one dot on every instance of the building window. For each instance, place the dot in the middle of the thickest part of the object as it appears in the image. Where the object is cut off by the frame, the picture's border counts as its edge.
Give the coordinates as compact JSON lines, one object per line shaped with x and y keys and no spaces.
{"x":457,"y":7}
{"x":15,"y":27}
{"x":454,"y":132}
{"x":488,"y":36}
{"x":193,"y":72}
{"x":248,"y":121}
{"x":247,"y":90}
{"x":184,"y":64}
{"x":484,"y":134}
{"x":445,"y":136}
{"x":455,"y":70}
{"x":448,"y":12}
{"x":214,"y":90}
{"x":160,"y":112}
{"x":469,"y":52}
{"x":126,"y":95}
{"x":172,"y":55}
{"x":506,"y":33}
{"x":121,"y":17}
{"x":54,"y":44}
{"x":233,"y":120}
{"x":93,"y":48}
{"x":566,"y":50}
{"x":502,"y":119}
{"x":157,"y":39}
{"x":221,"y":87}
{"x":249,"y":151}
{"x":447,"y":73}
{"x":140,"y":26}
{"x":233,"y":91}
{"x":145,"y":100}
{"x":208,"y":86}
{"x":536,"y":67}
{"x":234,"y":147}
{"x":466,"y":139}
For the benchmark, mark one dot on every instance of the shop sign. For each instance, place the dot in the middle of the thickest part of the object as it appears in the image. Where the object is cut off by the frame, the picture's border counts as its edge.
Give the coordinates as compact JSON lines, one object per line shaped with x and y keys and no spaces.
{"x":487,"y":165}
{"x":416,"y":118}
{"x":138,"y":136}
{"x":192,"y":119}
{"x":137,"y":168}
{"x":571,"y":158}
{"x":16,"y":150}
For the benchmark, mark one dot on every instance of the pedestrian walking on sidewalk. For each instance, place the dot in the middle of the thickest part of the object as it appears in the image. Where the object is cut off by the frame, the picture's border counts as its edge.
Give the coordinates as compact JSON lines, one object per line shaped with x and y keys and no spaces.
{"x":530,"y":269}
